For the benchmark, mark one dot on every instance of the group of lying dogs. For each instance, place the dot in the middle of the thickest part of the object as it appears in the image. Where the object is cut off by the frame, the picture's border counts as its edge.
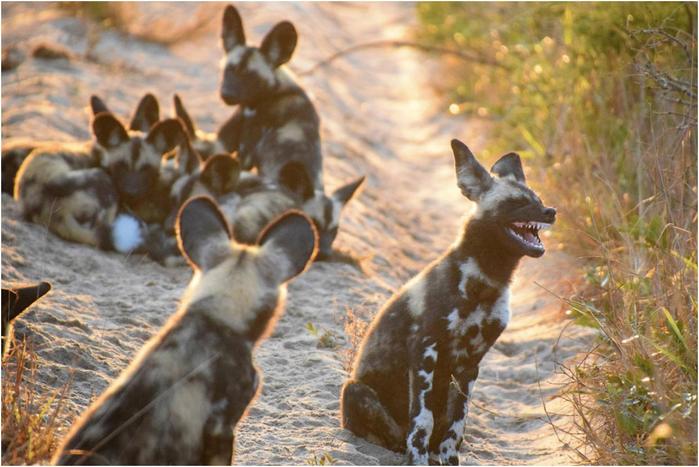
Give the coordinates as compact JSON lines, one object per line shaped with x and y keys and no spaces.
{"x":123,"y":190}
{"x":180,"y":399}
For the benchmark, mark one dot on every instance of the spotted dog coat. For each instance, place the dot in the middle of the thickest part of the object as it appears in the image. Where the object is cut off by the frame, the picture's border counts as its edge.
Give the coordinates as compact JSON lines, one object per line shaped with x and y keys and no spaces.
{"x":77,"y":189}
{"x":180,"y":399}
{"x":15,"y":300}
{"x":134,"y":157}
{"x":418,"y":363}
{"x":276,"y":128}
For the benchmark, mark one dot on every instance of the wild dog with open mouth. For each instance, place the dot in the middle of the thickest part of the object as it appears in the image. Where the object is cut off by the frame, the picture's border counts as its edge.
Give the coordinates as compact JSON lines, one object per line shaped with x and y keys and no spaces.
{"x":77,"y":189}
{"x":181,"y":398}
{"x":417,"y":365}
{"x":276,"y":127}
{"x":15,"y":300}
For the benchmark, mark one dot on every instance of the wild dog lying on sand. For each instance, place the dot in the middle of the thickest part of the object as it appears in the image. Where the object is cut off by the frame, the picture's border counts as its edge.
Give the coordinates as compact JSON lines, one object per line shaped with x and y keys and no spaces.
{"x":77,"y":189}
{"x":417,"y":365}
{"x":263,"y":201}
{"x":137,"y":170}
{"x":14,"y":301}
{"x":180,"y":399}
{"x":276,"y":127}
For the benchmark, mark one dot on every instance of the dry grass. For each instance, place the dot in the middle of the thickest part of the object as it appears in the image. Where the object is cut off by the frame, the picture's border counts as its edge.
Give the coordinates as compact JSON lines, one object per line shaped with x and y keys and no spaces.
{"x":356,"y":324}
{"x":30,"y":429}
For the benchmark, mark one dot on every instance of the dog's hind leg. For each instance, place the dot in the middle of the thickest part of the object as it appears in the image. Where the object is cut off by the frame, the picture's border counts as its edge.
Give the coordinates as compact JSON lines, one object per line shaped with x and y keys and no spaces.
{"x":365,"y":416}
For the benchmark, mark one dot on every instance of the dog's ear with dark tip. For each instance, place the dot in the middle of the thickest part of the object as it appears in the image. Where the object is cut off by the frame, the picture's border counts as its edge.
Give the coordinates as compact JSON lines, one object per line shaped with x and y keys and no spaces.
{"x":220,"y":174}
{"x":20,"y":298}
{"x":279,"y":44}
{"x":347,"y":192}
{"x":202,"y":232}
{"x":471,"y":176}
{"x":509,"y":166}
{"x":290,"y":242}
{"x":147,"y":114}
{"x":108,"y":130}
{"x":295,"y":177}
{"x":165,"y":135}
{"x":232,"y":34}
{"x":97,"y":105}
{"x":183,"y":115}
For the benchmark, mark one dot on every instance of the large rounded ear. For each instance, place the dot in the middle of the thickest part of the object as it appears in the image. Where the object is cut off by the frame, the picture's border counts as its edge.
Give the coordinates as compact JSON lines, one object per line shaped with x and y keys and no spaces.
{"x":97,"y":105}
{"x":232,"y":34}
{"x":471,"y":176}
{"x":201,"y":232}
{"x":182,"y":114}
{"x":147,"y":114}
{"x":221,"y":173}
{"x":279,"y":43}
{"x":165,"y":135}
{"x":294,"y":176}
{"x":18,"y":299}
{"x":108,"y":130}
{"x":509,"y":166}
{"x":290,"y":242}
{"x":345,"y":193}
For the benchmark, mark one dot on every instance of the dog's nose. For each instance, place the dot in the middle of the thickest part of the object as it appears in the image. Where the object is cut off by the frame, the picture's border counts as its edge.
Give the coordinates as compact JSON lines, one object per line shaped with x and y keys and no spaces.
{"x":550,"y":212}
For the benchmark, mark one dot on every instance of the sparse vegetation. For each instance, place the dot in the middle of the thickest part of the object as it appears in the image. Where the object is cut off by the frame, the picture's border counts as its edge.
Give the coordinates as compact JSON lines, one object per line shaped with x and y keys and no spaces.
{"x":327,"y":339}
{"x":601,"y":99}
{"x":30,"y":429}
{"x":323,"y":458}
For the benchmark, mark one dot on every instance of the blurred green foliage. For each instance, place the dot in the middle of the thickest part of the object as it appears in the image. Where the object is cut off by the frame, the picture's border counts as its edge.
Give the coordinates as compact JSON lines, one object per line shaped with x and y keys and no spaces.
{"x":601,"y":101}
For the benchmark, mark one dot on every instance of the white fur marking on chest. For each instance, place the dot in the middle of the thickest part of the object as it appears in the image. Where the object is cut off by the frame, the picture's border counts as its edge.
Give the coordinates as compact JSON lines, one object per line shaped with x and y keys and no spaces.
{"x":501,"y":308}
{"x":470,"y":270}
{"x":415,"y":288}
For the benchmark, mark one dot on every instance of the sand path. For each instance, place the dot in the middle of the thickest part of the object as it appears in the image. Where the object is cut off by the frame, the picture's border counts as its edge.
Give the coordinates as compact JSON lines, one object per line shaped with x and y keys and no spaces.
{"x":380,"y":118}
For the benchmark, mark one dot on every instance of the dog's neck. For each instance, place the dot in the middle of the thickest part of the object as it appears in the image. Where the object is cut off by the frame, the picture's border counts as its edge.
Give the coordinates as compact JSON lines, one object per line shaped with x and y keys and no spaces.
{"x":479,"y":242}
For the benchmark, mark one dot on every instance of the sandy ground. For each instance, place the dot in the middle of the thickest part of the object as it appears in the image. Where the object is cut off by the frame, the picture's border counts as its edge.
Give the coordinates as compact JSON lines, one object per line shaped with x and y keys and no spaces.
{"x":380,"y":118}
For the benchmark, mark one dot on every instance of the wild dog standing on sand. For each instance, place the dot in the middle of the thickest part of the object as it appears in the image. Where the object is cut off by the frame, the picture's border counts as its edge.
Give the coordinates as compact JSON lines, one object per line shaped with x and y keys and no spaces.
{"x":179,"y":401}
{"x":418,"y":363}
{"x":276,"y":127}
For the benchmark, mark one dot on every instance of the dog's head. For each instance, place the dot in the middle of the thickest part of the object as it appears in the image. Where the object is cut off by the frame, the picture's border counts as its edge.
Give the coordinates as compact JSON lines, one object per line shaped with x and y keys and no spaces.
{"x":323,"y":210}
{"x":240,"y":284}
{"x":250,"y":73}
{"x":506,"y":206}
{"x":133,"y":157}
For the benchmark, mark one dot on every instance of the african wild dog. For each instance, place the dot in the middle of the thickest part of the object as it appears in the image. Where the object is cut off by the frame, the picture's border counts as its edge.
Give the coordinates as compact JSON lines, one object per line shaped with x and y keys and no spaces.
{"x":77,"y":189}
{"x":14,"y":301}
{"x":276,"y":128}
{"x":134,"y":158}
{"x":180,"y":399}
{"x":259,"y":202}
{"x":419,"y":360}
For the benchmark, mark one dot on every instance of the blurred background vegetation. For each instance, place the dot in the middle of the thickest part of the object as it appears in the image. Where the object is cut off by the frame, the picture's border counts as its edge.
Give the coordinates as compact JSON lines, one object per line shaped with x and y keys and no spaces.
{"x":601,"y":101}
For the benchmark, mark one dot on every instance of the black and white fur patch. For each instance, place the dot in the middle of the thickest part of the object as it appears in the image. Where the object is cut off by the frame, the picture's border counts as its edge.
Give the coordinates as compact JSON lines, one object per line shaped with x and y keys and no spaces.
{"x":418,"y":363}
{"x":276,"y":128}
{"x":181,"y":398}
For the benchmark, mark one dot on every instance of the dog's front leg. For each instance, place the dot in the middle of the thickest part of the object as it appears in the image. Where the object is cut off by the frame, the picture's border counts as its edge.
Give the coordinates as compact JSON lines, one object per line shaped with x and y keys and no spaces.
{"x":459,"y":394}
{"x":423,"y":360}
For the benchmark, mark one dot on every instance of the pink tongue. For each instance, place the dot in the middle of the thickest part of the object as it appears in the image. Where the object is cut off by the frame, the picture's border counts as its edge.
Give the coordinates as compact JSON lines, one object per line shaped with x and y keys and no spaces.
{"x":528,"y":236}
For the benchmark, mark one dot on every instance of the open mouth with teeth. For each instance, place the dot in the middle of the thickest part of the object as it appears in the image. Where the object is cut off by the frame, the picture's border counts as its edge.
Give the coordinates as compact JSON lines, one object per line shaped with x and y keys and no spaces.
{"x":527,"y":234}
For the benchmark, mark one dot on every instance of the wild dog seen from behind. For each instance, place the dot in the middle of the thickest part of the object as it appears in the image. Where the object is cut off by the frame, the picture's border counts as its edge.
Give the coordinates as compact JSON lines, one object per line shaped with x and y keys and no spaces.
{"x":276,"y":128}
{"x":417,"y":365}
{"x":180,"y":399}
